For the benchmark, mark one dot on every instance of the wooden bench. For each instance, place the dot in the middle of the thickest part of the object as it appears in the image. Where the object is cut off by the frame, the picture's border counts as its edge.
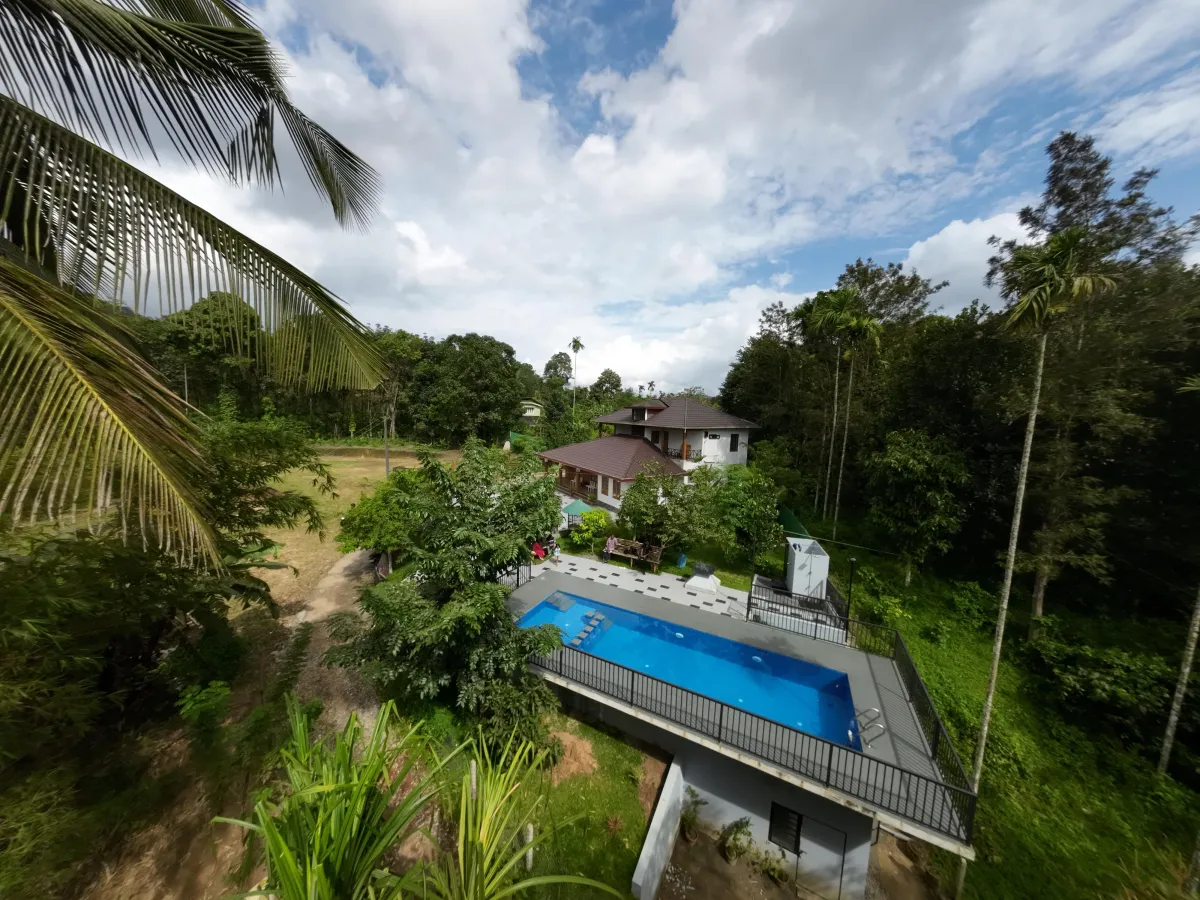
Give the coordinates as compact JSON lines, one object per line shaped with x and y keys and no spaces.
{"x":635,"y":551}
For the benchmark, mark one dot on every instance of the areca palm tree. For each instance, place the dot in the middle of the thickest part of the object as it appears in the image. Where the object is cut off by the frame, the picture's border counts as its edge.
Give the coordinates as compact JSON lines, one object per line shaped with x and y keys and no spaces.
{"x":576,"y":345}
{"x":1185,"y":667}
{"x":86,"y":425}
{"x":829,"y":317}
{"x":1043,"y":280}
{"x":859,"y":331}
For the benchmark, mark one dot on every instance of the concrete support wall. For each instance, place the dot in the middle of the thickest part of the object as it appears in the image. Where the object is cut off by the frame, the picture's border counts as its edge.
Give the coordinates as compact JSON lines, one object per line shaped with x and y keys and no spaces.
{"x":835,"y":841}
{"x":660,"y":838}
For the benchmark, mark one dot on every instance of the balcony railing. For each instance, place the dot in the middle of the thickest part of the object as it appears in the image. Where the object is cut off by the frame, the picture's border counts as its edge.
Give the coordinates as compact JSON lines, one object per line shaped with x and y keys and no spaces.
{"x":945,"y":805}
{"x":692,"y":455}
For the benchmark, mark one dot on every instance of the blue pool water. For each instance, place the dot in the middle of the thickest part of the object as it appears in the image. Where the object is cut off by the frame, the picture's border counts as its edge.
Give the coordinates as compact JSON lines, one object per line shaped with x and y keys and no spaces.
{"x":790,"y":691}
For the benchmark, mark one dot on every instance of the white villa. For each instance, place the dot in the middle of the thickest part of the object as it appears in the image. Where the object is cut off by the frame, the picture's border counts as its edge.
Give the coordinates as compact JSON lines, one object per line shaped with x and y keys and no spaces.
{"x":672,"y":434}
{"x":686,"y":430}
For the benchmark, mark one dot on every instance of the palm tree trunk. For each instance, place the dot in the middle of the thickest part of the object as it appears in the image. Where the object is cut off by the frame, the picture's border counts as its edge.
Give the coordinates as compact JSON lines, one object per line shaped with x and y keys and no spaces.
{"x":837,"y":502}
{"x":574,"y":384}
{"x":1040,"y":580}
{"x":837,"y":371}
{"x":1185,"y":671}
{"x":387,"y":458}
{"x":820,"y":459}
{"x":1005,"y":589}
{"x":1191,"y":887}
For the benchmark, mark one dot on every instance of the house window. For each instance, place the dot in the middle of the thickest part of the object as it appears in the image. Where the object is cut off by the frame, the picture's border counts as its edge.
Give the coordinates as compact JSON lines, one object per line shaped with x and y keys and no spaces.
{"x":639,"y":431}
{"x":606,"y":488}
{"x":784,"y":830}
{"x":713,"y":436}
{"x":639,"y":415}
{"x":654,"y":437}
{"x":616,"y":489}
{"x":733,"y":442}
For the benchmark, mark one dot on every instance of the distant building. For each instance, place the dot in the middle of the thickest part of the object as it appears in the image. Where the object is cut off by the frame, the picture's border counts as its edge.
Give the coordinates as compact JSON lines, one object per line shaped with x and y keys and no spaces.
{"x":531,"y":412}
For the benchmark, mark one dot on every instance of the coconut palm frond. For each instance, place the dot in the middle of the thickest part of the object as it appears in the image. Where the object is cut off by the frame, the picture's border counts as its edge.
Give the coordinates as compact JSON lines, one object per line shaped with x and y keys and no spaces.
{"x":195,"y":73}
{"x":86,"y":427}
{"x":95,"y":223}
{"x":1190,"y":384}
{"x":1044,"y":278}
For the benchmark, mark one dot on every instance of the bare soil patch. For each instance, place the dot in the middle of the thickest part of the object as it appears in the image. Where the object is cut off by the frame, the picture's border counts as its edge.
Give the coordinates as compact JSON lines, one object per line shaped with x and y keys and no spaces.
{"x":699,"y":872}
{"x":577,"y":758}
{"x":654,"y":772}
{"x":895,"y":875}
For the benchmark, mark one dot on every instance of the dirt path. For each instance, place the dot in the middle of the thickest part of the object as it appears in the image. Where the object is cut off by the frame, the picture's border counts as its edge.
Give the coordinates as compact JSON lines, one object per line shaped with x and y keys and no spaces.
{"x":185,"y":857}
{"x":341,"y":691}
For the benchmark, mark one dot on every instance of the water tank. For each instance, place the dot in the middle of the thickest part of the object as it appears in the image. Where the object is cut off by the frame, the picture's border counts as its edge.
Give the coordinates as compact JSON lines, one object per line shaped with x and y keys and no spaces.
{"x":807,"y":567}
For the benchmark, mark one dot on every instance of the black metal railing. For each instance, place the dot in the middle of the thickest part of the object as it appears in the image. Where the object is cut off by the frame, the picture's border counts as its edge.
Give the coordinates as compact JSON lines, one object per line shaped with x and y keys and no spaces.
{"x":676,"y":453}
{"x":930,"y":802}
{"x":834,"y":597}
{"x":878,"y":640}
{"x":518,"y":575}
{"x":831,"y":604}
{"x":940,"y":746}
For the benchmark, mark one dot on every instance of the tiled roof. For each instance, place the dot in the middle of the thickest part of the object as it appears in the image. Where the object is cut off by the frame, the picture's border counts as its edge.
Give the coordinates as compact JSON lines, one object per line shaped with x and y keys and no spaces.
{"x":618,"y":456}
{"x":680,"y":412}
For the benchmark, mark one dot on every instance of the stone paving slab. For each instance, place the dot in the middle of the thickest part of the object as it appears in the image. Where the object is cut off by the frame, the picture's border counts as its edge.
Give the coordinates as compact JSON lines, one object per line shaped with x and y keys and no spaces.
{"x":725,"y":601}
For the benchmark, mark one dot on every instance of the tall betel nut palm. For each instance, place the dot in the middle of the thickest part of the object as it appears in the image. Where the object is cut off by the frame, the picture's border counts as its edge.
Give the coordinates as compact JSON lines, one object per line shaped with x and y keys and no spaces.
{"x":1043,"y":281}
{"x":87,"y":428}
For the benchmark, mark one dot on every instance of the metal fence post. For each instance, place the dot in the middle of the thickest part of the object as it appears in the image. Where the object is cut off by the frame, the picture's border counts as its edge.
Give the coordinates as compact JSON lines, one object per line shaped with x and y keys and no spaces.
{"x":721,"y":724}
{"x":829,"y":767}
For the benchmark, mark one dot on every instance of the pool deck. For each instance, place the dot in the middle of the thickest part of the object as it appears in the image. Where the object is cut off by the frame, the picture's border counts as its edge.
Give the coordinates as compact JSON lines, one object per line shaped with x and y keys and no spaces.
{"x":874,"y":680}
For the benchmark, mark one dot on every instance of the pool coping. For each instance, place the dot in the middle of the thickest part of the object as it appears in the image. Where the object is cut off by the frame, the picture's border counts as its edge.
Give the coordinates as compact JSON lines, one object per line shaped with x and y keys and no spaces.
{"x":874,"y":681}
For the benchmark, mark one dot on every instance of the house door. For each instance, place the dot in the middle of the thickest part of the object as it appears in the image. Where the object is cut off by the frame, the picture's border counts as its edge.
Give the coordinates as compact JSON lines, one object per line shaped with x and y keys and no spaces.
{"x":820,"y":851}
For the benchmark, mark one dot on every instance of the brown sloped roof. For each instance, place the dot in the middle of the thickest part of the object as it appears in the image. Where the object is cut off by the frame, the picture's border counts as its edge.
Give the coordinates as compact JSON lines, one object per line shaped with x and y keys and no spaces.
{"x":680,"y":412}
{"x":618,"y":456}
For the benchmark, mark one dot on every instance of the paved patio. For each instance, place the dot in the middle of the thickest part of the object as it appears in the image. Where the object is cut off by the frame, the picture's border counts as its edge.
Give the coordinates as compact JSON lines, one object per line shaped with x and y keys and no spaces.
{"x":726,"y":601}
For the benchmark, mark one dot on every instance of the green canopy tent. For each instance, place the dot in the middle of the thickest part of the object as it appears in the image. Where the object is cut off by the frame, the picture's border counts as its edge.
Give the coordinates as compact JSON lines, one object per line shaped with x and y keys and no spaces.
{"x":575,"y":508}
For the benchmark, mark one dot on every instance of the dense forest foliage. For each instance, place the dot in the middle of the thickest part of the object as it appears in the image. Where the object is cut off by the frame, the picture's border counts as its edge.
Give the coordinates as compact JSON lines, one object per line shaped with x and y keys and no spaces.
{"x":915,"y":424}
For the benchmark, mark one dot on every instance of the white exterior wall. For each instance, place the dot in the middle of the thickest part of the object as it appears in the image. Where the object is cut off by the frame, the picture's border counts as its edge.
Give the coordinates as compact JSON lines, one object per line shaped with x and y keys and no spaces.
{"x":607,"y":498}
{"x":715,"y":450}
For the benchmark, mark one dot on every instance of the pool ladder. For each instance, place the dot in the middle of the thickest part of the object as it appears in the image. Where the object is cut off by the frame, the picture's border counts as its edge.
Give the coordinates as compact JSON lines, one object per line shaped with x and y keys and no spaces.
{"x":867,"y":719}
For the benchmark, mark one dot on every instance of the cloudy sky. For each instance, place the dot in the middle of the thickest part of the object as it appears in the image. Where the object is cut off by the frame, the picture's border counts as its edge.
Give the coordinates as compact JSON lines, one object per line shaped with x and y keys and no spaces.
{"x":648,"y":175}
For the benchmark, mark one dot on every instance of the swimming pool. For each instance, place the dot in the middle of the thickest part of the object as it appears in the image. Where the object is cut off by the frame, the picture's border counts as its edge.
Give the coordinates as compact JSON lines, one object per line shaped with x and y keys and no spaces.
{"x":790,"y":691}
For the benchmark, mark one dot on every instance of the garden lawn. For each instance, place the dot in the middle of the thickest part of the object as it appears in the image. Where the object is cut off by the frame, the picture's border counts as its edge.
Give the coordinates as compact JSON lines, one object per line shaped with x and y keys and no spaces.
{"x":606,"y":840}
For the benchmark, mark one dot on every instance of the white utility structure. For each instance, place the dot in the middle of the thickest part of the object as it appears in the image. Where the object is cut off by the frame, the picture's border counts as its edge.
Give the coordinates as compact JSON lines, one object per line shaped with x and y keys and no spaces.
{"x":807,"y":567}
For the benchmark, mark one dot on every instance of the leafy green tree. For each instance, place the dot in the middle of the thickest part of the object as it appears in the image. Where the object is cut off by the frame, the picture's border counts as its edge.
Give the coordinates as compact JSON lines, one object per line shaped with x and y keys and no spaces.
{"x":529,"y":380}
{"x":606,"y":387}
{"x":468,"y":387}
{"x":401,"y":353}
{"x":87,"y":226}
{"x":438,"y":628}
{"x":889,"y":294}
{"x":558,"y":369}
{"x":644,"y":507}
{"x":749,"y":505}
{"x":914,"y":483}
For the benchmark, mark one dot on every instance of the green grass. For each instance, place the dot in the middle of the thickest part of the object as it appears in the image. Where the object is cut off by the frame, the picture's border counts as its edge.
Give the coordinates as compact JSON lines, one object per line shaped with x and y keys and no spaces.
{"x":1062,"y":813}
{"x":605,"y":842}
